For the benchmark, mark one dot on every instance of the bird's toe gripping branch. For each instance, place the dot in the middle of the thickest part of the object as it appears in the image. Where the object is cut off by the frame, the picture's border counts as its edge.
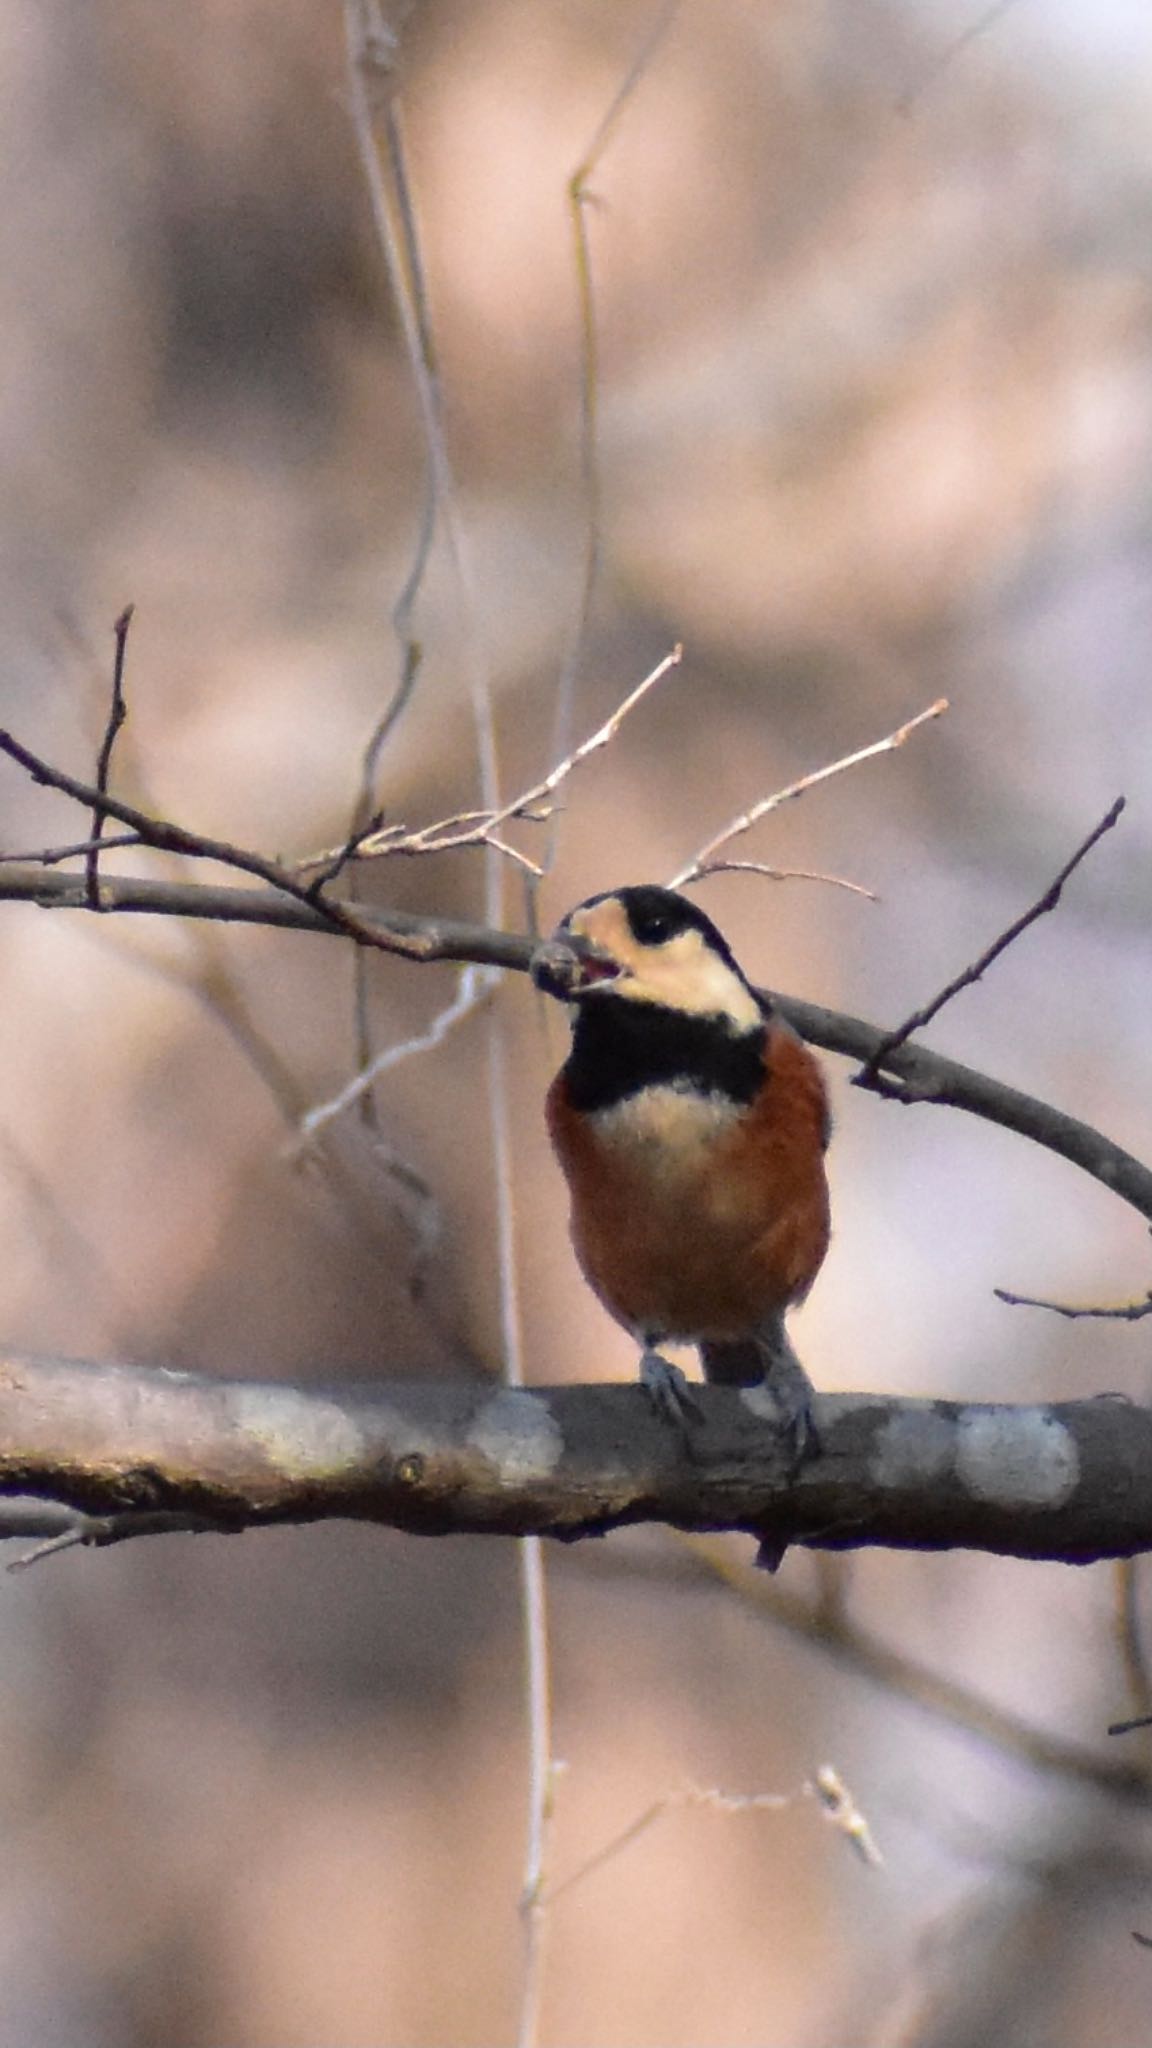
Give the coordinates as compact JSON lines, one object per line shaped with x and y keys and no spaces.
{"x":670,"y":1391}
{"x":794,"y":1399}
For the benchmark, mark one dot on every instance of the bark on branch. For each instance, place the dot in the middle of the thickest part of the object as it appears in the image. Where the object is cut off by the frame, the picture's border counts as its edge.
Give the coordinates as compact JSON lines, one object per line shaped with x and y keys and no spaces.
{"x":140,"y":1451}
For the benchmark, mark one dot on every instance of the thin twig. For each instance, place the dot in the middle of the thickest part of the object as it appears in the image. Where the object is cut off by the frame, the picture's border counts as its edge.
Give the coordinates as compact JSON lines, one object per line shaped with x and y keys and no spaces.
{"x":580,"y":198}
{"x":944,"y":60}
{"x":920,"y":1075}
{"x":847,"y":1642}
{"x":1122,"y":1312}
{"x":474,"y":988}
{"x":365,"y":819}
{"x":756,"y":867}
{"x":52,"y":856}
{"x":372,"y":53}
{"x":364,"y":815}
{"x":169,"y":837}
{"x":117,"y":713}
{"x":1130,"y":1637}
{"x":702,"y":860}
{"x":688,"y":1796}
{"x":825,"y":1786}
{"x":100,"y":1531}
{"x":533,"y":1584}
{"x":479,"y":828}
{"x":867,"y":1077}
{"x":602,"y":737}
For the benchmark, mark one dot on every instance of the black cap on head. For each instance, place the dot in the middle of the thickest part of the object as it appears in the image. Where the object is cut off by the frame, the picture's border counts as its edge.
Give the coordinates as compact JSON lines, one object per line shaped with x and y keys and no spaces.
{"x":656,"y":915}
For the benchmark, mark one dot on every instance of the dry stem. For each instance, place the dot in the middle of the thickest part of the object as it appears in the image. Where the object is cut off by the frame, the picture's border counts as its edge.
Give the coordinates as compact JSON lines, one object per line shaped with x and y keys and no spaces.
{"x":702,"y":862}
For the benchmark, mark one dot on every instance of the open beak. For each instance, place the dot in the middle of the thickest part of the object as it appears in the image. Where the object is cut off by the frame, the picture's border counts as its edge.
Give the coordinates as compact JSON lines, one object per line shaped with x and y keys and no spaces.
{"x":561,"y":971}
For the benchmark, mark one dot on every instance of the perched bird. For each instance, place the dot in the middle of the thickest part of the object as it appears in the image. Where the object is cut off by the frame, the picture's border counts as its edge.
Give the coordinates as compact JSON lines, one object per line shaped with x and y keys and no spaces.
{"x":691,"y":1125}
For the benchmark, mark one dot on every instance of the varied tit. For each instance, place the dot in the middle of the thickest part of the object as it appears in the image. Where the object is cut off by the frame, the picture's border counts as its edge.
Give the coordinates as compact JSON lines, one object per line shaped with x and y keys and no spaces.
{"x":691,"y":1124}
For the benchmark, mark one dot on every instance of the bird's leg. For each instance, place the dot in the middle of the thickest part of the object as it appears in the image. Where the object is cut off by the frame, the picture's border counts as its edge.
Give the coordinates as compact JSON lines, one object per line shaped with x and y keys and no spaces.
{"x":793,"y":1394}
{"x":793,"y":1397}
{"x":668,"y":1389}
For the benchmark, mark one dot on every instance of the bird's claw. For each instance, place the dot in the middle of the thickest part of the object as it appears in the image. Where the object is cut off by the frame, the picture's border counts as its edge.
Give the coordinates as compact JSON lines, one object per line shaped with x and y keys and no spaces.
{"x":670,"y":1391}
{"x":799,"y":1434}
{"x":794,"y":1399}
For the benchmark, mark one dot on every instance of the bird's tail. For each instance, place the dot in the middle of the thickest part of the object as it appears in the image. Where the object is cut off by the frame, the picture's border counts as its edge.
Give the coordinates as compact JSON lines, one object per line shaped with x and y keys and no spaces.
{"x":741,"y":1363}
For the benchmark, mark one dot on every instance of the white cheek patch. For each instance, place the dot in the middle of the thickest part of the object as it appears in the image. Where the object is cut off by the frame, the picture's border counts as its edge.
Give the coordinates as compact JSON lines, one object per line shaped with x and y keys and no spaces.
{"x":699,"y":984}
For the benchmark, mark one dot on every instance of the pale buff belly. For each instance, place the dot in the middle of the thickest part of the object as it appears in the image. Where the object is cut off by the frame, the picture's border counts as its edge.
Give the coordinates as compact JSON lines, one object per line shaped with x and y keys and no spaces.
{"x":673,"y":1246}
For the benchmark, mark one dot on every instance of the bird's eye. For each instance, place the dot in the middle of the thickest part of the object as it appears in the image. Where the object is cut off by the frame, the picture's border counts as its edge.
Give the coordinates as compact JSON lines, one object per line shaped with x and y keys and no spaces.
{"x":655,"y":928}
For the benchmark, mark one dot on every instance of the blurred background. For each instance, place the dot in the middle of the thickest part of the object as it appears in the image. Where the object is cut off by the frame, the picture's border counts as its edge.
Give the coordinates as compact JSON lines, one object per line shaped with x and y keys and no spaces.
{"x":875,"y":425}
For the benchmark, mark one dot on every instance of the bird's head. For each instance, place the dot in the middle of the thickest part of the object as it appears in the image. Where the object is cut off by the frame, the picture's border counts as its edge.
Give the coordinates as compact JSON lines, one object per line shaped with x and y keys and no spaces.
{"x":646,"y":945}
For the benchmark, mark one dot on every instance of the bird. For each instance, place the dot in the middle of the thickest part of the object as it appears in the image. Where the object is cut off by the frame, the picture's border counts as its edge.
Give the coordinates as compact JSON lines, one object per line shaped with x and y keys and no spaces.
{"x":691,"y":1125}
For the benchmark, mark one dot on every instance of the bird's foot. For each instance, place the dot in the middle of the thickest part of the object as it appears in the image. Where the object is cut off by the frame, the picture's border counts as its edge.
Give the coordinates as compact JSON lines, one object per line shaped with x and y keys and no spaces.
{"x":670,"y":1391}
{"x":794,"y":1399}
{"x":799,"y":1431}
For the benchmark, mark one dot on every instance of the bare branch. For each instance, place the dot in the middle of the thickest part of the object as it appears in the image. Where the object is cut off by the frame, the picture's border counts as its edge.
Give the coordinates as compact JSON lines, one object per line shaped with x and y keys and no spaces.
{"x":580,"y":199}
{"x":703,"y":860}
{"x":117,"y":713}
{"x":1122,"y":1312}
{"x":840,"y":1635}
{"x":1071,"y":1481}
{"x":920,"y":1074}
{"x":756,"y":867}
{"x":475,"y":987}
{"x":168,"y":837}
{"x":925,"y":1076}
{"x":52,"y":856}
{"x":867,"y":1078}
{"x":480,"y":828}
{"x":373,"y":51}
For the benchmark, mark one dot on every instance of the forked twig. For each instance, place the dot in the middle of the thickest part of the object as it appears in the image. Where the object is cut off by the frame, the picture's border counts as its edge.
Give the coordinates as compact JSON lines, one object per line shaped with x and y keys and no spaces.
{"x":825,"y":1786}
{"x":168,"y":837}
{"x":702,"y":862}
{"x":476,"y":985}
{"x":482,"y":828}
{"x":758,"y":867}
{"x":117,"y":713}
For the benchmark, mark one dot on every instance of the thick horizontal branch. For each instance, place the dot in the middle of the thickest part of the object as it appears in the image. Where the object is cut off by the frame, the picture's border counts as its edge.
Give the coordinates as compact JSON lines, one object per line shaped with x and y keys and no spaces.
{"x":1072,"y":1481}
{"x":920,"y":1074}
